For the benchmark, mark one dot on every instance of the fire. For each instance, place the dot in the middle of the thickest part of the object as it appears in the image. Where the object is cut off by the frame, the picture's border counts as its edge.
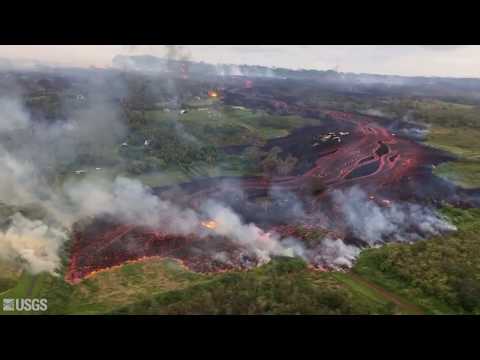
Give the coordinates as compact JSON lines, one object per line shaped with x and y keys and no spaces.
{"x":209,"y":224}
{"x":213,"y":94}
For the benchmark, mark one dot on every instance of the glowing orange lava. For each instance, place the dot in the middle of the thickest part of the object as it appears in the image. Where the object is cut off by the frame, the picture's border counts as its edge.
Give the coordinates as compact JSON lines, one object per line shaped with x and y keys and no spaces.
{"x":209,"y":224}
{"x":213,"y":94}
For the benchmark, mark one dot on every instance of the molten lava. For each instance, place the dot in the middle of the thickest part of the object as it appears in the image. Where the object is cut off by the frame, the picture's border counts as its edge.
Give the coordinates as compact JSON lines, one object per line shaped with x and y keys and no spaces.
{"x":209,"y":224}
{"x":213,"y":94}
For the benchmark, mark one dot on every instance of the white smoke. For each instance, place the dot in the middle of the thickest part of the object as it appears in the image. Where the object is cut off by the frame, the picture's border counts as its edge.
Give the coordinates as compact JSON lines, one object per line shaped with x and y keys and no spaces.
{"x":396,"y":222}
{"x":372,"y":223}
{"x":35,"y":243}
{"x":334,"y":254}
{"x":263,"y":245}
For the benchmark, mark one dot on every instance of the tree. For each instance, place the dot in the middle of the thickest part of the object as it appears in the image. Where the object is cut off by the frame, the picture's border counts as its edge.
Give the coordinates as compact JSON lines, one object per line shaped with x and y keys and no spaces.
{"x":253,"y":153}
{"x":286,"y":166}
{"x":272,"y":164}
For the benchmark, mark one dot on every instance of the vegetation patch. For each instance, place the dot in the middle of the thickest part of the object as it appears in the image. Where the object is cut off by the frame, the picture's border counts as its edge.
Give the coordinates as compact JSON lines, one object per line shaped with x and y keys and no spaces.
{"x":284,"y":286}
{"x":441,"y":275}
{"x":462,"y":142}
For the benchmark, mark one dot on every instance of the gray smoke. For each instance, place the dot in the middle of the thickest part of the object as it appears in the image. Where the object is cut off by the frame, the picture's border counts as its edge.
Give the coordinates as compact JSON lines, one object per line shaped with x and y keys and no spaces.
{"x":245,"y":71}
{"x":32,"y":154}
{"x":13,"y":115}
{"x":130,"y":201}
{"x":375,"y":112}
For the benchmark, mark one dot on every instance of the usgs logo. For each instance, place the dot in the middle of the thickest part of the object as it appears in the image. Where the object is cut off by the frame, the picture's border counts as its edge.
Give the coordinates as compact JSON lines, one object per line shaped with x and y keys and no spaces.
{"x":25,"y":304}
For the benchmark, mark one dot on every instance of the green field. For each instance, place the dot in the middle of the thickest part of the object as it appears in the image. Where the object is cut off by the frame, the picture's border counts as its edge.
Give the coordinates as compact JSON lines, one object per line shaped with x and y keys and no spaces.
{"x":441,"y":275}
{"x":155,"y":286}
{"x":224,"y":125}
{"x":463,"y":143}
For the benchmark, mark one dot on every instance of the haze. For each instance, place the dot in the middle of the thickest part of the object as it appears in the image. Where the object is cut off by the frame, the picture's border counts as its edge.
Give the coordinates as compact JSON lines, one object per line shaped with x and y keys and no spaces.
{"x":408,"y":60}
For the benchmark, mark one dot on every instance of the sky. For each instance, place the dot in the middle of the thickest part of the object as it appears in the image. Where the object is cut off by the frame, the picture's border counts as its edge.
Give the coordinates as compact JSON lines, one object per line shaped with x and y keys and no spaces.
{"x":408,"y":60}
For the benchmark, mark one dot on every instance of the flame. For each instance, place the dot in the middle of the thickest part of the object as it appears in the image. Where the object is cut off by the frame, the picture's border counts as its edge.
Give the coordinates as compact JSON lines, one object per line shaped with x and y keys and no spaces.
{"x":213,"y":94}
{"x":209,"y":224}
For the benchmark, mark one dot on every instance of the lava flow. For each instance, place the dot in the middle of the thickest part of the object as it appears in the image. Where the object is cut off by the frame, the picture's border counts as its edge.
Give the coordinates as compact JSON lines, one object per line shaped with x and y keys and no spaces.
{"x":389,"y":167}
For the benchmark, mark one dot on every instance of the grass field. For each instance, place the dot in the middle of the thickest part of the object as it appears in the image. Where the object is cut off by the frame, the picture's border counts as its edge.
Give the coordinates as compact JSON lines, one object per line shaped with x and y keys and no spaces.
{"x":224,"y":126}
{"x":463,"y":143}
{"x":162,"y":286}
{"x":187,"y":146}
{"x":284,"y":286}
